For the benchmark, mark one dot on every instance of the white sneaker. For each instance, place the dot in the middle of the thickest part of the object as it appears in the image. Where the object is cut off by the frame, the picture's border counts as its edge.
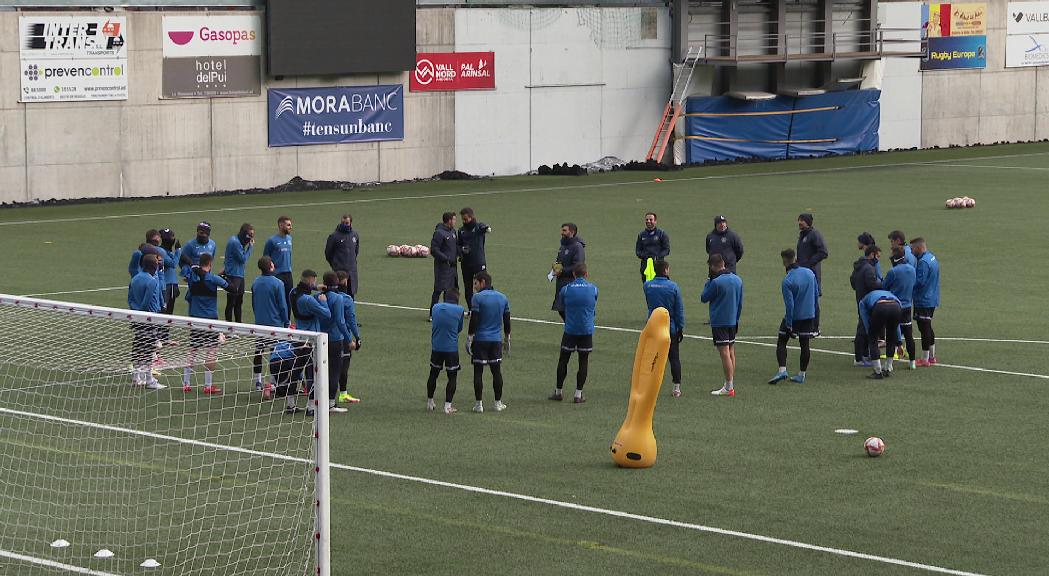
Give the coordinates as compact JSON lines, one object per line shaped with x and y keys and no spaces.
{"x":499,"y":406}
{"x":338,"y":409}
{"x":450,"y":410}
{"x":155,"y":385}
{"x":723,"y":391}
{"x":478,"y":407}
{"x":431,"y":405}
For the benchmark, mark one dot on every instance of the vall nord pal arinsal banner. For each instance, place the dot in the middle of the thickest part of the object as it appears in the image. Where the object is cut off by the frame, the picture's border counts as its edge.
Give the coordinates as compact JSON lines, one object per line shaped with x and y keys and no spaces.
{"x":435,"y":71}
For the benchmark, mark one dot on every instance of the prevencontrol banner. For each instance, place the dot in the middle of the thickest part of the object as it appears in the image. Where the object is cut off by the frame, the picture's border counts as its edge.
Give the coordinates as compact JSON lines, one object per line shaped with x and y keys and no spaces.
{"x":212,"y":56}
{"x":437,"y":71}
{"x":336,"y":115}
{"x":72,"y":58}
{"x":955,"y":36}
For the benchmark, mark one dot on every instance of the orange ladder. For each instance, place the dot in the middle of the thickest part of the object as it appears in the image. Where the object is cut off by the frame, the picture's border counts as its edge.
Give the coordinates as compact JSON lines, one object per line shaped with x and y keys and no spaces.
{"x":675,"y":105}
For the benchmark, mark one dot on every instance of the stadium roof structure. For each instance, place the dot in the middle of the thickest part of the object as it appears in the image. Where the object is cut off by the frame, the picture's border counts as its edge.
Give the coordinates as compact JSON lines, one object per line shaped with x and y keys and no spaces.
{"x":262,"y":3}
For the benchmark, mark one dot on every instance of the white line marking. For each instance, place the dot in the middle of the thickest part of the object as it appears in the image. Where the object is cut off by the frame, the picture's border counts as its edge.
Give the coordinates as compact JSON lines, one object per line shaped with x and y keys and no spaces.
{"x":692,"y":336}
{"x":512,"y":190}
{"x":511,"y":495}
{"x":987,"y":166}
{"x":52,"y":564}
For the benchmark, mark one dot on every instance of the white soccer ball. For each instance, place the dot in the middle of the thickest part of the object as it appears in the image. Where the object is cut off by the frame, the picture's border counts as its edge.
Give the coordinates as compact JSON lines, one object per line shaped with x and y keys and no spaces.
{"x":969,"y":202}
{"x":393,"y":250}
{"x":406,"y":250}
{"x":417,"y":251}
{"x":949,"y":203}
{"x":424,"y":251}
{"x":874,"y":447}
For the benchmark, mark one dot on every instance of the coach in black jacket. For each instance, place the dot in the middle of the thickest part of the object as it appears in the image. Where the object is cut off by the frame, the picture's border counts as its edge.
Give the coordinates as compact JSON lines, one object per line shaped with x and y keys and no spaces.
{"x":726,"y":242}
{"x":651,"y":243}
{"x":811,"y":251}
{"x":341,"y":251}
{"x":864,"y":280}
{"x":471,"y":250}
{"x":444,"y":252}
{"x":571,"y":254}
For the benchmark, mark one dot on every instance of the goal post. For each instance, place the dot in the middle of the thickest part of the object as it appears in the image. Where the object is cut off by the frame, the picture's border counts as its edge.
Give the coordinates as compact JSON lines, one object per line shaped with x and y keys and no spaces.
{"x":109,"y":464}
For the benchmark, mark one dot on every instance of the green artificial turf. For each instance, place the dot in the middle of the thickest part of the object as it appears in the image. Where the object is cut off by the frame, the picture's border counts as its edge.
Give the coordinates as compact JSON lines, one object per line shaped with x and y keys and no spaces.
{"x":962,"y":485}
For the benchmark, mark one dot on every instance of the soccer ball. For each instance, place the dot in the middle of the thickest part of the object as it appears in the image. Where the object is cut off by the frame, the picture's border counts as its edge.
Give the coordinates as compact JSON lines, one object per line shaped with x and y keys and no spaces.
{"x":949,"y":203}
{"x":393,"y":250}
{"x":423,"y":251}
{"x":969,"y":202}
{"x":972,"y":203}
{"x":874,"y":446}
{"x":406,"y":250}
{"x":418,"y":251}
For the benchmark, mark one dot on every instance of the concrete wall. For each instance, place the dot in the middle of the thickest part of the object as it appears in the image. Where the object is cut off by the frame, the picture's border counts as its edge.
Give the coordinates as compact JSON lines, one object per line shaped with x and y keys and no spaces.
{"x":146,"y":146}
{"x":900,"y":82}
{"x":572,"y":85}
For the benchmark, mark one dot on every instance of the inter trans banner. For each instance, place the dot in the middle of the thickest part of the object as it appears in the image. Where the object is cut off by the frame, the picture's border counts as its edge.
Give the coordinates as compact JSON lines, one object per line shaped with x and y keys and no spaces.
{"x":71,"y":58}
{"x":437,"y":71}
{"x":305,"y":116}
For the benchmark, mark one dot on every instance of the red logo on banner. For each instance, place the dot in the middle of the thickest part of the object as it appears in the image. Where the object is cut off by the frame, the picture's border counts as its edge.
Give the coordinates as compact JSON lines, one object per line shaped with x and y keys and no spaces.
{"x":453,"y":71}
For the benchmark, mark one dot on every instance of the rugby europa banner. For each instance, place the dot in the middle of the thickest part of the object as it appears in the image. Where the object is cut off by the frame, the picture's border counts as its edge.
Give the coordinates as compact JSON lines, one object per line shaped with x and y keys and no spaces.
{"x":70,"y":58}
{"x":956,"y":36}
{"x":1027,"y":43}
{"x":342,"y":114}
{"x":436,"y":71}
{"x":212,"y":56}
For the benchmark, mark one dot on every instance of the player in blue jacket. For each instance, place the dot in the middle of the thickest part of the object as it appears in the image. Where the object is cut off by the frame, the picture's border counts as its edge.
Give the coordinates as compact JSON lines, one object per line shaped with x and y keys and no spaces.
{"x":724,"y":292}
{"x":348,"y":346}
{"x":447,"y":318}
{"x":900,"y":281}
{"x":662,"y":292}
{"x":880,"y":313}
{"x":172,"y":255}
{"x":271,"y":309}
{"x":308,"y":312}
{"x":579,"y":298}
{"x":143,"y":295}
{"x":338,"y":333}
{"x":238,"y":250}
{"x":489,"y":327}
{"x":202,"y":296}
{"x":926,"y":298}
{"x":134,"y":266}
{"x":191,"y":252}
{"x":898,"y":238}
{"x":278,"y":247}
{"x":800,"y":291}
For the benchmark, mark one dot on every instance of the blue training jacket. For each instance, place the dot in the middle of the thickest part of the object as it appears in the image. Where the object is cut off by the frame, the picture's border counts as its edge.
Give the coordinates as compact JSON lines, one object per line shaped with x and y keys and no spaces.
{"x":279,"y":249}
{"x":725,"y":295}
{"x":202,"y":294}
{"x":335,"y":323}
{"x":909,"y":255}
{"x":447,"y":324}
{"x":308,"y":305}
{"x":269,"y":302}
{"x":489,"y":305}
{"x":800,"y":291}
{"x":193,"y":249}
{"x":284,"y":350}
{"x":900,"y":281}
{"x":580,"y":300}
{"x":171,"y":265}
{"x":927,"y":282}
{"x":237,"y":256}
{"x":662,"y":292}
{"x":869,"y":301}
{"x":143,"y":295}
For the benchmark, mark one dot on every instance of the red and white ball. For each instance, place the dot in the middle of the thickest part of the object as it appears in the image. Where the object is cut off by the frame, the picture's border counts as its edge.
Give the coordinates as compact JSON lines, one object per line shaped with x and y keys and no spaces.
{"x":423,"y":251}
{"x":393,"y":250}
{"x":407,"y":250}
{"x":874,"y":447}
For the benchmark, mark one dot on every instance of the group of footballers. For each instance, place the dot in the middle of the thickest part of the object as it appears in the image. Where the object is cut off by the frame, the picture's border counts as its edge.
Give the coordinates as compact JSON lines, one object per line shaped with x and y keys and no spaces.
{"x":885,"y":304}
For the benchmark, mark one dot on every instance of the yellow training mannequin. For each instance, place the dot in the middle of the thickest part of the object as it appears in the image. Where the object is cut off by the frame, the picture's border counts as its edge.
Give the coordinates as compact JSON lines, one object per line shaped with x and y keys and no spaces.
{"x":635,"y":444}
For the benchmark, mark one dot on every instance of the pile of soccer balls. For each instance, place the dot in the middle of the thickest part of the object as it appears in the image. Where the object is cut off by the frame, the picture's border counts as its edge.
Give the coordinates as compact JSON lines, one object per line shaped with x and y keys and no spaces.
{"x":408,"y":251}
{"x":963,"y":202}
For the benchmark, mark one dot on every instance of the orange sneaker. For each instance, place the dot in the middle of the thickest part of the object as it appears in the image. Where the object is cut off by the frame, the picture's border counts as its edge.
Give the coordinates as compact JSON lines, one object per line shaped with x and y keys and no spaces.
{"x":212,"y":390}
{"x":921,"y":363}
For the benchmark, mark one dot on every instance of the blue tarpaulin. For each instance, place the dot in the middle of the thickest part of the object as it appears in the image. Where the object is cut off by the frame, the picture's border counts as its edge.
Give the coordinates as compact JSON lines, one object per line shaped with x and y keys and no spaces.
{"x":722,"y":128}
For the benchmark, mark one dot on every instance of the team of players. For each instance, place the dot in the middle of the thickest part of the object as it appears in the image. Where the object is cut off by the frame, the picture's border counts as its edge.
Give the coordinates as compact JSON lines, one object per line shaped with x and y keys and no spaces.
{"x":884,"y":304}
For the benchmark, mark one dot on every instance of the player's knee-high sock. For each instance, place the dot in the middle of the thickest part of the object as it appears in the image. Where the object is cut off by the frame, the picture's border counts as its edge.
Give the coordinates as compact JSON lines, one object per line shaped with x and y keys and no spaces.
{"x":908,"y":338}
{"x":675,"y":361}
{"x":449,"y":390}
{"x":431,"y":382}
{"x":497,"y":381}
{"x":806,"y":353}
{"x":344,"y":373}
{"x":925,"y":328}
{"x":860,"y":346}
{"x":562,"y":368}
{"x":584,"y":365}
{"x":781,"y":349}
{"x":478,"y":381}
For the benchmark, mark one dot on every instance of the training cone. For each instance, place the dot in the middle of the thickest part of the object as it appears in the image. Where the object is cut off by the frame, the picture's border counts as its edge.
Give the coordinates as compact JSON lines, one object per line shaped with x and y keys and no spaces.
{"x":635,"y":444}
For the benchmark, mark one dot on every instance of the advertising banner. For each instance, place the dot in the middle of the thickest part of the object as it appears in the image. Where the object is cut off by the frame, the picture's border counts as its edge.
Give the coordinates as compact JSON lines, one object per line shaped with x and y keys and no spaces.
{"x":72,"y":58}
{"x":956,"y":36}
{"x":304,"y":116}
{"x":436,"y":71}
{"x":1028,"y":18}
{"x":212,"y":56}
{"x":1026,"y":50}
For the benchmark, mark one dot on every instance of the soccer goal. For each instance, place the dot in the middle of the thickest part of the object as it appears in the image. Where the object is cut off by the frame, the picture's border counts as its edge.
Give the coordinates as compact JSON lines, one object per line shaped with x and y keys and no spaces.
{"x":108,"y":465}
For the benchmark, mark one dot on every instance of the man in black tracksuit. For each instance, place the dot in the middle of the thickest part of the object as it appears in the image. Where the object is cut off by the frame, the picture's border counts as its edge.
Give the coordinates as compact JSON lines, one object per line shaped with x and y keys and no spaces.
{"x":726,"y":242}
{"x":445,"y":252}
{"x":471,"y":250}
{"x":811,"y":251}
{"x":864,"y":280}
{"x":341,"y":252}
{"x":570,"y":255}
{"x":651,"y":243}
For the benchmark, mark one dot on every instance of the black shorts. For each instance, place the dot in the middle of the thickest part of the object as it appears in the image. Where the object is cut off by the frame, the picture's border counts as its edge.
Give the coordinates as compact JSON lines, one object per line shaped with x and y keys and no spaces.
{"x":577,"y":343}
{"x":447,"y":360}
{"x":236,"y":285}
{"x":905,"y":318}
{"x":800,"y":329}
{"x":203,"y":338}
{"x":143,"y":341}
{"x":923,"y":313}
{"x":724,"y":335}
{"x":487,"y":352}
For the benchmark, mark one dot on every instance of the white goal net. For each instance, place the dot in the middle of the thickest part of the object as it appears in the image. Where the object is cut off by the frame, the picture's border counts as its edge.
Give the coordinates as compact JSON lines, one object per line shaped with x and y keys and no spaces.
{"x":109,"y":466}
